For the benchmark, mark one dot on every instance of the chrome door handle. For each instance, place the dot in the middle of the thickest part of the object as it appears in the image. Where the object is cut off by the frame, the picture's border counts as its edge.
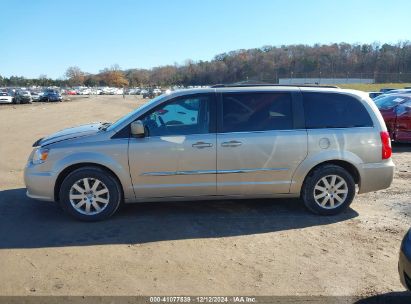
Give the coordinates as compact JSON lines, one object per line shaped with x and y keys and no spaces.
{"x":231,"y":143}
{"x":201,"y":145}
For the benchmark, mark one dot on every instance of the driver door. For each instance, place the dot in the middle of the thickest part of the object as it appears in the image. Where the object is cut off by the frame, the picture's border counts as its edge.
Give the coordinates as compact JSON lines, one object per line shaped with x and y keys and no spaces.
{"x":177,"y":157}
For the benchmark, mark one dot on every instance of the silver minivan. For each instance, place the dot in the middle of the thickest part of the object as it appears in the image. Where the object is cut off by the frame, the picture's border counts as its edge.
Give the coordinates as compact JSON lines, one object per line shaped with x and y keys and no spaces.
{"x":321,"y":144}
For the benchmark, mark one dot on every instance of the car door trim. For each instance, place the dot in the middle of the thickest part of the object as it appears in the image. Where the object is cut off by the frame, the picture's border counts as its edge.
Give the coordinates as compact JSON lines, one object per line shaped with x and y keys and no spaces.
{"x":197,"y":172}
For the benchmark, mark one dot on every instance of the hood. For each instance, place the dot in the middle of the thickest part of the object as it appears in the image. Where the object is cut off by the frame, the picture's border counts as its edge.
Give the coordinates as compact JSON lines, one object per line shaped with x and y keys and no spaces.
{"x":70,"y":133}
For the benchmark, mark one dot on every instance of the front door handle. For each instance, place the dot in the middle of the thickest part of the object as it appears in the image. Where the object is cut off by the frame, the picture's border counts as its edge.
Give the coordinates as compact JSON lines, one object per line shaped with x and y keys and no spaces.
{"x":202,"y":145}
{"x":231,"y":143}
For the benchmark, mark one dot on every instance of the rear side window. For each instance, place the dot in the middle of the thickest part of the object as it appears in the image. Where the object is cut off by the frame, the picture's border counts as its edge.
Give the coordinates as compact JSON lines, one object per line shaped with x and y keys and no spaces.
{"x":333,"y":110}
{"x":242,"y":112}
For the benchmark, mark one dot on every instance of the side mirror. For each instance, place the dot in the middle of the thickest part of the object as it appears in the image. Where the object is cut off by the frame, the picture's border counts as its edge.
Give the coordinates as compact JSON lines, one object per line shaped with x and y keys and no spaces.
{"x":137,"y":128}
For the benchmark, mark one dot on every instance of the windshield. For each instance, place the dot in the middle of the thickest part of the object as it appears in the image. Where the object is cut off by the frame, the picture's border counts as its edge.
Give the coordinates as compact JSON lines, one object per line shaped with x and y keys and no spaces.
{"x":389,"y":102}
{"x":131,"y":114}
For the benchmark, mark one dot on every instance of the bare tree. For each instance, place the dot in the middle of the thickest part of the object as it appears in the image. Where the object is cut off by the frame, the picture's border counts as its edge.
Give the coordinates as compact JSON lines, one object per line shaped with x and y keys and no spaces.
{"x":75,"y":76}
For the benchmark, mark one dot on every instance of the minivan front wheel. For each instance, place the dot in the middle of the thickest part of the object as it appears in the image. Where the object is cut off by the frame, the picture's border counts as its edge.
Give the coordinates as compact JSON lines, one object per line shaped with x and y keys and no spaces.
{"x":328,"y":190}
{"x":90,"y":194}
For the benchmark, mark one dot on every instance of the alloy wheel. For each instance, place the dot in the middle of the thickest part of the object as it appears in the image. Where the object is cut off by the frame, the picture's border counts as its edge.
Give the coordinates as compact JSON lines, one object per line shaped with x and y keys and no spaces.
{"x":89,"y":196}
{"x":330,"y":191}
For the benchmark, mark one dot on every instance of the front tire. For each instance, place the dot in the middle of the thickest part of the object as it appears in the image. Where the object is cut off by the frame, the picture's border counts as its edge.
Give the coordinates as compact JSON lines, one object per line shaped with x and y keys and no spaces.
{"x":90,"y":194}
{"x":328,"y":190}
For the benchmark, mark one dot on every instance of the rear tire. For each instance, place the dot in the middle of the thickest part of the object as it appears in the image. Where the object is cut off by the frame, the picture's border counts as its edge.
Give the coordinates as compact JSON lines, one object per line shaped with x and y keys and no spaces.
{"x":90,"y":194}
{"x":328,"y":190}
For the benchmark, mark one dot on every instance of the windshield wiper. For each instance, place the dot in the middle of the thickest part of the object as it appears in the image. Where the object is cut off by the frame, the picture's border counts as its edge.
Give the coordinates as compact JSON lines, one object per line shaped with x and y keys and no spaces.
{"x":104,"y":126}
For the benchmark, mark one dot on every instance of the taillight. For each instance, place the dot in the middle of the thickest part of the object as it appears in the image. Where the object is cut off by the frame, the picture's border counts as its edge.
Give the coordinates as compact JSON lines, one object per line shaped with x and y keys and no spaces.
{"x":386,"y":145}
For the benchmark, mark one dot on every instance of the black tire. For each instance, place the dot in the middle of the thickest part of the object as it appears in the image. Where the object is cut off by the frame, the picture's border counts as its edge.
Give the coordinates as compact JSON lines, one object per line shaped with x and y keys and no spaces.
{"x":113,"y":186}
{"x":307,"y":193}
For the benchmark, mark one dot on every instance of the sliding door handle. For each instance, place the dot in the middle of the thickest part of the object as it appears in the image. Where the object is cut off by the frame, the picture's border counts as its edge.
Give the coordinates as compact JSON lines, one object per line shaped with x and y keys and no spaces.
{"x":231,"y":143}
{"x":202,"y":145}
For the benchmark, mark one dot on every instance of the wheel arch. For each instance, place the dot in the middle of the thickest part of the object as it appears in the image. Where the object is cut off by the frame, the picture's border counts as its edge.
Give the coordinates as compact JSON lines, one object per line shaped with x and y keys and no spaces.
{"x":64,"y":173}
{"x":349,"y":163}
{"x":351,"y":169}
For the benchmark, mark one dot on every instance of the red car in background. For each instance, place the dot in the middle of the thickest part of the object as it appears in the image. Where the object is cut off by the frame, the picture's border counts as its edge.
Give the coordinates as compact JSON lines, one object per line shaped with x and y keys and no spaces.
{"x":71,"y":92}
{"x":396,"y":111}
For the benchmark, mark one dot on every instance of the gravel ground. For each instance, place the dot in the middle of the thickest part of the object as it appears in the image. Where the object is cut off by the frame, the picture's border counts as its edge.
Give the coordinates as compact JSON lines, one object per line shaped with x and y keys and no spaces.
{"x":253,"y":247}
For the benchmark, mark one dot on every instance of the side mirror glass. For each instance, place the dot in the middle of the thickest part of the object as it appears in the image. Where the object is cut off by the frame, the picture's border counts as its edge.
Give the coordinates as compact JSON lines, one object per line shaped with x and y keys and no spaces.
{"x":137,"y":128}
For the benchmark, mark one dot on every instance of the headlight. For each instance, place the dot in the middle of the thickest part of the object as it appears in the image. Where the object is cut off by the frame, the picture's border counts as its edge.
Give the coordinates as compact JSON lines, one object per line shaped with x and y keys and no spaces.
{"x":40,"y":156}
{"x":406,"y":245}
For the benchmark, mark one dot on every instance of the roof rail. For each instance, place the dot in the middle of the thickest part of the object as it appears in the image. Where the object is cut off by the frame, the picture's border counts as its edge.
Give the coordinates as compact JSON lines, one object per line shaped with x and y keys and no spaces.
{"x":272,"y":85}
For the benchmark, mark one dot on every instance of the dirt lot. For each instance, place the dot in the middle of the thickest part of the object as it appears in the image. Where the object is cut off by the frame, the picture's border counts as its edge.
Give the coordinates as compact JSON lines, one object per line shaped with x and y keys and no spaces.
{"x":261,"y":247}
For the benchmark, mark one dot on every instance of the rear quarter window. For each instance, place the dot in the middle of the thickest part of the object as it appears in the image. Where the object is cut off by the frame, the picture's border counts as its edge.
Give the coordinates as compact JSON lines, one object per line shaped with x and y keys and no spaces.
{"x":334,"y":110}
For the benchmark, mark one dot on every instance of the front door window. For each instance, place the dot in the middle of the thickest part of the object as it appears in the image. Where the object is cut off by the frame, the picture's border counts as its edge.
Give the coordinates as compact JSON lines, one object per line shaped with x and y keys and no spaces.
{"x":183,"y":116}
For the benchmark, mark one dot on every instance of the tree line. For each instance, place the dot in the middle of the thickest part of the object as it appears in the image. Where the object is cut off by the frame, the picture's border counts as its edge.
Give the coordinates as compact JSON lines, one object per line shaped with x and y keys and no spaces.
{"x":382,"y":62}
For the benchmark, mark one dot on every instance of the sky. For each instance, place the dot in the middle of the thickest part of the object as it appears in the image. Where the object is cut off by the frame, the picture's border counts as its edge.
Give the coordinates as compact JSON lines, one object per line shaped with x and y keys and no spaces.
{"x":48,"y":36}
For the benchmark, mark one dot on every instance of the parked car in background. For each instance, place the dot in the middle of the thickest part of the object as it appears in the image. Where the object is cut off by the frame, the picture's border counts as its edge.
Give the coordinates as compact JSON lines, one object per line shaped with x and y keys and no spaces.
{"x":35,"y":96}
{"x":51,"y":96}
{"x":399,"y":91}
{"x":374,"y":94}
{"x":224,"y":142}
{"x":384,"y":90}
{"x":22,"y":96}
{"x":148,"y":93}
{"x":396,"y":111}
{"x":133,"y":91}
{"x":404,"y":263}
{"x":71,"y":92}
{"x":157,"y":92}
{"x":6,"y":97}
{"x":85,"y":92}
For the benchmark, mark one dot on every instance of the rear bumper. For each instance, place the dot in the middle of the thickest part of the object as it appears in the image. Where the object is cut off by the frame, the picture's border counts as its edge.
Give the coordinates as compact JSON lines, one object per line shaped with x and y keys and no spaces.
{"x":40,"y":185}
{"x":404,"y":269}
{"x":376,"y":176}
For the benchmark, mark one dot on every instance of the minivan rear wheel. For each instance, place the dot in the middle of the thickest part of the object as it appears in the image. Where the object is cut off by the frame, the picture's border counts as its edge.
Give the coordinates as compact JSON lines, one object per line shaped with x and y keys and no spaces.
{"x":90,"y":194}
{"x":328,"y":190}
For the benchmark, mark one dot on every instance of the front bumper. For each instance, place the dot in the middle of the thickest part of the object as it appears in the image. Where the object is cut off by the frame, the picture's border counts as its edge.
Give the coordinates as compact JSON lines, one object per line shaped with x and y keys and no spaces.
{"x":404,"y":269}
{"x":39,"y":184}
{"x":376,"y":176}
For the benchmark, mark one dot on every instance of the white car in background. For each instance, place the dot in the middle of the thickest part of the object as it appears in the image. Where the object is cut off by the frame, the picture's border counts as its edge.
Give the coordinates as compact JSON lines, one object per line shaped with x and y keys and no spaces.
{"x":85,"y":92}
{"x":157,"y":92}
{"x":134,"y":91}
{"x":5,"y":97}
{"x":118,"y":91}
{"x":35,"y":96}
